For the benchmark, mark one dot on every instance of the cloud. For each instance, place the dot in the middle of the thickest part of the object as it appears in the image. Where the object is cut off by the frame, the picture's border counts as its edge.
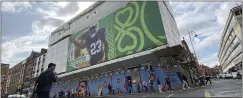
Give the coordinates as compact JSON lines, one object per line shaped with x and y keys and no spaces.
{"x":53,"y":15}
{"x":22,"y":44}
{"x":14,"y":7}
{"x":207,"y":19}
{"x":70,"y":8}
{"x":210,"y":61}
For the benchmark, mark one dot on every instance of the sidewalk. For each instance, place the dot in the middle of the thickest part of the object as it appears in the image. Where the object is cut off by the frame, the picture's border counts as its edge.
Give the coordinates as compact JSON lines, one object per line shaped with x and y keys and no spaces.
{"x":147,"y":94}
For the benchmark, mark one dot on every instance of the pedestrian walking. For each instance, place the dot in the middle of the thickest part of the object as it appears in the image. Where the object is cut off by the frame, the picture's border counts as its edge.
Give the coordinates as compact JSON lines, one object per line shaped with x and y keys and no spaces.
{"x":73,"y":93}
{"x":168,"y":82}
{"x":145,"y":85}
{"x":196,"y":80}
{"x":110,"y":89}
{"x":44,"y":82}
{"x":69,"y":93}
{"x":146,"y":67}
{"x":208,"y":79}
{"x":185,"y":83}
{"x":201,"y":79}
{"x":159,"y":85}
{"x":151,"y":68}
{"x":61,"y":94}
{"x":151,"y":84}
{"x":129,"y":84}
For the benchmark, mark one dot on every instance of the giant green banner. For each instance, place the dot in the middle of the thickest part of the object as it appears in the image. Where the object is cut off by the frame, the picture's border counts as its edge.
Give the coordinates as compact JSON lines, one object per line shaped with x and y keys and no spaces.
{"x":131,"y":29}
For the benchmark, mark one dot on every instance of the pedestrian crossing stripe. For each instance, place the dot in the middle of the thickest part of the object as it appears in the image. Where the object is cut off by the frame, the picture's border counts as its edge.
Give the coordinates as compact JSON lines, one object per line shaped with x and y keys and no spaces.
{"x":207,"y":95}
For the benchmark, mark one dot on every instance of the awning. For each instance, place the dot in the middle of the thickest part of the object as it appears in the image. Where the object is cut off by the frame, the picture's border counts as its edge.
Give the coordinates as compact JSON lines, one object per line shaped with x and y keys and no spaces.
{"x":123,"y":63}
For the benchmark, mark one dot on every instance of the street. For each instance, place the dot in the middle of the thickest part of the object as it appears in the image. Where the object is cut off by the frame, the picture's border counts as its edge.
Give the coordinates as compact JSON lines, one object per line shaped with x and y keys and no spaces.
{"x":218,"y":88}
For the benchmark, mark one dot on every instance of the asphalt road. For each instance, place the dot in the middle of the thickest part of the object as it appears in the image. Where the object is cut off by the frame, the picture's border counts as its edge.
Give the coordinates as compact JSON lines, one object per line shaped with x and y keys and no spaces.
{"x":218,"y":88}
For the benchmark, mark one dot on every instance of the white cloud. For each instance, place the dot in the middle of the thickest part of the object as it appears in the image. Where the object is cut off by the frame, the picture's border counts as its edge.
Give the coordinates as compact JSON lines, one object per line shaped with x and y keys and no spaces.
{"x":210,"y":61}
{"x":223,"y":12}
{"x":13,"y":7}
{"x":52,"y":17}
{"x":207,"y":19}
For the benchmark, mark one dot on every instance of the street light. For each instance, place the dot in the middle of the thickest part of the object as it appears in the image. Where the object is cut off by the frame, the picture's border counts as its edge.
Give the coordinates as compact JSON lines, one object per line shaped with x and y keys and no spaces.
{"x":195,"y":35}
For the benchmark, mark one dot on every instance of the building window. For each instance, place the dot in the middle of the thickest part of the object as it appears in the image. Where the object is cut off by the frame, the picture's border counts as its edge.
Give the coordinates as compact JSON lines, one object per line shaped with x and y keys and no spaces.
{"x":42,"y":69}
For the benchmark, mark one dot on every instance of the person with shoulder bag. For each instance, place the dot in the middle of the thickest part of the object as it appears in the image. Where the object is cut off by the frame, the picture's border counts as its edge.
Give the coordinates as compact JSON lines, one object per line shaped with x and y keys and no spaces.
{"x":44,"y":82}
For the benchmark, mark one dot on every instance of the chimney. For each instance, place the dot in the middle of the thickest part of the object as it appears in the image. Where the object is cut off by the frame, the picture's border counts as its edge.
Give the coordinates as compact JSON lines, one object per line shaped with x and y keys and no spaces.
{"x":43,"y":50}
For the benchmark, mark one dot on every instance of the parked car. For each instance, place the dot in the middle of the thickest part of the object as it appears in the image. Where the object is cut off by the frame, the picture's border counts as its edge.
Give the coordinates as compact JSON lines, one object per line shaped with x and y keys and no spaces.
{"x":229,"y":76}
{"x":234,"y":74}
{"x":17,"y":96}
{"x":222,"y":76}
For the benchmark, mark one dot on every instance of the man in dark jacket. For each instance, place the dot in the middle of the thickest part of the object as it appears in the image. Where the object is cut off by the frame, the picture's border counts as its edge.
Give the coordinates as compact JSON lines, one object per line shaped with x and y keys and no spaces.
{"x":44,"y":82}
{"x":110,"y":89}
{"x":208,"y":79}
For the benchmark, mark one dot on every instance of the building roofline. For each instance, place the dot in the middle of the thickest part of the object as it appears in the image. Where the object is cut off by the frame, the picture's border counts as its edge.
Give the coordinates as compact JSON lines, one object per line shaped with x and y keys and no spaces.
{"x":230,"y":16}
{"x":87,"y":10}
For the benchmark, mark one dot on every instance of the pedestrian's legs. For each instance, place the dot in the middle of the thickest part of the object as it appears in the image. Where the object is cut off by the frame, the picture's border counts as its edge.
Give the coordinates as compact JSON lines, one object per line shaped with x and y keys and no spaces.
{"x":169,"y":87}
{"x":146,"y":88}
{"x":151,"y":89}
{"x":187,"y":85}
{"x":207,"y":82}
{"x":183,"y":84}
{"x":129,"y":90}
{"x":210,"y":81}
{"x":160,"y":88}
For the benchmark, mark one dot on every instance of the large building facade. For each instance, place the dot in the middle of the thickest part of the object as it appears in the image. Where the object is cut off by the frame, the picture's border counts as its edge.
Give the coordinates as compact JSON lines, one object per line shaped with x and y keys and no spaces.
{"x":230,"y":53}
{"x":39,"y":63}
{"x":60,"y":45}
{"x":112,"y":42}
{"x":30,"y":62}
{"x":15,"y":78}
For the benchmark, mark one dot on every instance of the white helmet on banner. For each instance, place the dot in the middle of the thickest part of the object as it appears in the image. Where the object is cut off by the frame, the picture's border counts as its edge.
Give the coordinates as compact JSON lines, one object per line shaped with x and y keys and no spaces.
{"x":93,"y":29}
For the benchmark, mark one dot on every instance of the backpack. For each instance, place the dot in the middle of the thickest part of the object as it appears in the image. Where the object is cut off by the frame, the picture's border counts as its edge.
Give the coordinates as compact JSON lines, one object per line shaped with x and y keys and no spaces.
{"x":42,"y":79}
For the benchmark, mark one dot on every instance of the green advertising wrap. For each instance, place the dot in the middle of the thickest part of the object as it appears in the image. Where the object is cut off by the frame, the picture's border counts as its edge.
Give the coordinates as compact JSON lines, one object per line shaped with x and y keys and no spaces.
{"x":131,"y":29}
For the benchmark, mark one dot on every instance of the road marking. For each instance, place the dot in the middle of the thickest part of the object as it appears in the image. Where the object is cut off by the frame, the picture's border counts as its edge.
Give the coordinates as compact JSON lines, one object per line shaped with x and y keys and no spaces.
{"x":207,"y":95}
{"x":225,"y":91}
{"x":170,"y":95}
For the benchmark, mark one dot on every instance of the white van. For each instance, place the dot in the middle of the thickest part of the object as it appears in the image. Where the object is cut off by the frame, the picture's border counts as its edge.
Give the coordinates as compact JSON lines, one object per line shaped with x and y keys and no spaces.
{"x":17,"y":96}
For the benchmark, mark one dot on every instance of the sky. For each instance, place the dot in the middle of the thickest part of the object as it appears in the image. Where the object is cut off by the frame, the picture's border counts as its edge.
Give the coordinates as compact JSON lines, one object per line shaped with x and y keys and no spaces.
{"x":27,"y":25}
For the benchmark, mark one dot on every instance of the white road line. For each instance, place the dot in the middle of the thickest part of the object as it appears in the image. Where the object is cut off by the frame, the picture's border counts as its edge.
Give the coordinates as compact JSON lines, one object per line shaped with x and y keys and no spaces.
{"x":170,"y":95}
{"x":225,"y":92}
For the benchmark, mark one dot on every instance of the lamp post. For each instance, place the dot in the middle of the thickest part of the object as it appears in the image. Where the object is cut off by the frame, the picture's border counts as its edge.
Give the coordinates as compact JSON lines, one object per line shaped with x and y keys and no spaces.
{"x":195,"y":35}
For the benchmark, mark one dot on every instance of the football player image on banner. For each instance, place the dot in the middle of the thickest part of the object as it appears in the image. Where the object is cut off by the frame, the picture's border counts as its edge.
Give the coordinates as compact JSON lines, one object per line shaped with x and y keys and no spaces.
{"x":90,"y":46}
